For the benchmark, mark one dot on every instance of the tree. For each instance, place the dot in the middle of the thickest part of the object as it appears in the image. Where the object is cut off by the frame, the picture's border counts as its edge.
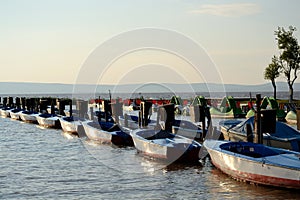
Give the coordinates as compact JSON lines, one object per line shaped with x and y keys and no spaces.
{"x":272,"y":72}
{"x":289,"y":58}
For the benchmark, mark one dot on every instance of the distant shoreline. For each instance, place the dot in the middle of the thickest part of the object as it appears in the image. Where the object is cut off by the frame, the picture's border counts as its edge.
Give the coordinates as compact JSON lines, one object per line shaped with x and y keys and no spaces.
{"x":184,"y":95}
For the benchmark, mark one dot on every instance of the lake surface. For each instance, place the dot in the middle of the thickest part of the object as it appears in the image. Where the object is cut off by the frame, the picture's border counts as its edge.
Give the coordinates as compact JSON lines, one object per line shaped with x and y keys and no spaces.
{"x":38,"y":163}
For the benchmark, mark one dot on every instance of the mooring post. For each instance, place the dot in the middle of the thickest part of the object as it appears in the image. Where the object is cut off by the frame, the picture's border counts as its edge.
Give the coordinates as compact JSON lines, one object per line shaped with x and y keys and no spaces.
{"x":298,"y":118}
{"x":258,"y":132}
{"x":52,"y":107}
{"x":71,"y":109}
{"x":249,"y":133}
{"x":126,"y":120}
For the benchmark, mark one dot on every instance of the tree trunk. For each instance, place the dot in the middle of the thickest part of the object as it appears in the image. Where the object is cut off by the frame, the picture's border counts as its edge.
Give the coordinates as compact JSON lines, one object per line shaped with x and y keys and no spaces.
{"x":274,"y":88}
{"x":291,"y":93}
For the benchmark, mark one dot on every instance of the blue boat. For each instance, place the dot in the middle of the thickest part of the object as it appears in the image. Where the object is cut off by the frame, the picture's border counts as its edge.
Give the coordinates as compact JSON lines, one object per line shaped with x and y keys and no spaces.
{"x":284,"y":137}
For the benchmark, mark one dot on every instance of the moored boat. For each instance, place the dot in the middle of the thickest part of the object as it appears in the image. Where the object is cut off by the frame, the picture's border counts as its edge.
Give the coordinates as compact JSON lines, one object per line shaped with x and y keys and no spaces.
{"x":256,"y":163}
{"x":70,"y":125}
{"x":291,"y":117}
{"x":48,"y":120}
{"x":284,"y":136}
{"x":29,"y":116}
{"x":228,"y":108}
{"x":165,"y":145}
{"x":5,"y":112}
{"x":107,"y":133}
{"x":15,"y":114}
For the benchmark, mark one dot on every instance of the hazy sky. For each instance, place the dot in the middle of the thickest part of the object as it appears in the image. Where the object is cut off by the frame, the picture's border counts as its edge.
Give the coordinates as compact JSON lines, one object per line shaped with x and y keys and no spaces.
{"x":48,"y":41}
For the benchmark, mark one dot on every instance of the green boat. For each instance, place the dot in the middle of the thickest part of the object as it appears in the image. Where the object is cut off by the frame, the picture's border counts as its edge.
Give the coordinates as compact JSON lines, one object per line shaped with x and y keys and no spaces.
{"x":291,"y":117}
{"x":270,"y":102}
{"x":227,"y":109}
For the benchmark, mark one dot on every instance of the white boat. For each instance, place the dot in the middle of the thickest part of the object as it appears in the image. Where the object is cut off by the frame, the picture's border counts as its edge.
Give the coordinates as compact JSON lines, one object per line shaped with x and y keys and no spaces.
{"x":5,"y":112}
{"x":15,"y":114}
{"x":69,"y":125}
{"x":256,"y":163}
{"x":48,"y":120}
{"x":166,"y":146}
{"x":107,"y":133}
{"x":28,"y":116}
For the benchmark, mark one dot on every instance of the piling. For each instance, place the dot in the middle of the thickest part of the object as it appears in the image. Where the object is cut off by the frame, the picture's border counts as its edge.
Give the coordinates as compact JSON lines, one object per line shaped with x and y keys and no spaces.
{"x":43,"y":105}
{"x":82,"y":107}
{"x":107,"y":109}
{"x":298,"y":118}
{"x":167,"y":115}
{"x":52,"y":108}
{"x":249,"y":133}
{"x":145,"y":111}
{"x":18,"y":102}
{"x":10,"y":102}
{"x":268,"y":120}
{"x":4,"y":102}
{"x":61,"y":104}
{"x":126,"y":120}
{"x":257,"y":124}
{"x":197,"y":113}
{"x":23,"y":103}
{"x":117,"y":110}
{"x":71,"y":109}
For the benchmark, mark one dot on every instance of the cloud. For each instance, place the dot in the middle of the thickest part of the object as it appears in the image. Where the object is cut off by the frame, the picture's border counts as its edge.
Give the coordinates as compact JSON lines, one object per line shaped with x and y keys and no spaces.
{"x":228,"y":10}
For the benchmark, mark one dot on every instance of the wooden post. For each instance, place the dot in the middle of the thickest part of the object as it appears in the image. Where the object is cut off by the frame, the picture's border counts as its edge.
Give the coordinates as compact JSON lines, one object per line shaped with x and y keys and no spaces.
{"x":52,"y":108}
{"x":298,"y":118}
{"x":18,"y":103}
{"x":258,"y":133}
{"x":92,"y":113}
{"x":249,"y":133}
{"x":126,"y":120}
{"x":71,"y":109}
{"x":23,"y":103}
{"x":202,"y":118}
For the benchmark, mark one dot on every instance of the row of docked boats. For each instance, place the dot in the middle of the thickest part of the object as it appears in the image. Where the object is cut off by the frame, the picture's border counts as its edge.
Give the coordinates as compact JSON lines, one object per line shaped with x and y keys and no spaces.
{"x":161,"y":136}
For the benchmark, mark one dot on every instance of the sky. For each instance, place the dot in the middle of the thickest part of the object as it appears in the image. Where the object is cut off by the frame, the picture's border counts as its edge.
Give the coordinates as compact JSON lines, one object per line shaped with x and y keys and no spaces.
{"x":51,"y":41}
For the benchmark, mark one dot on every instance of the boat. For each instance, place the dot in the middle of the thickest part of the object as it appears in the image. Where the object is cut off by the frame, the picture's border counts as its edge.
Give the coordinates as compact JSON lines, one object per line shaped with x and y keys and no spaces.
{"x":256,"y":163}
{"x":165,"y":145}
{"x":284,"y":136}
{"x":228,"y":108}
{"x":71,"y":125}
{"x":178,"y":104}
{"x":29,"y":116}
{"x":106,"y":133}
{"x":15,"y":114}
{"x":48,"y":120}
{"x":5,"y":112}
{"x":271,"y":103}
{"x":291,"y":117}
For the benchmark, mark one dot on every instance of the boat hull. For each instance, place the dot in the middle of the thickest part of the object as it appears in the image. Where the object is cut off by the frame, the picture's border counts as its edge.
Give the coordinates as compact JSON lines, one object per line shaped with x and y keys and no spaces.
{"x":30,"y":118}
{"x":177,"y":149}
{"x":15,"y":115}
{"x":256,"y":171}
{"x":49,"y":122}
{"x":70,"y":126}
{"x":94,"y":132}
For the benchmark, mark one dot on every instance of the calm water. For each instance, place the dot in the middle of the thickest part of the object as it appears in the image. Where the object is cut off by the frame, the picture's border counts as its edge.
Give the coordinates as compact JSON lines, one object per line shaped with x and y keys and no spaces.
{"x":38,"y":163}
